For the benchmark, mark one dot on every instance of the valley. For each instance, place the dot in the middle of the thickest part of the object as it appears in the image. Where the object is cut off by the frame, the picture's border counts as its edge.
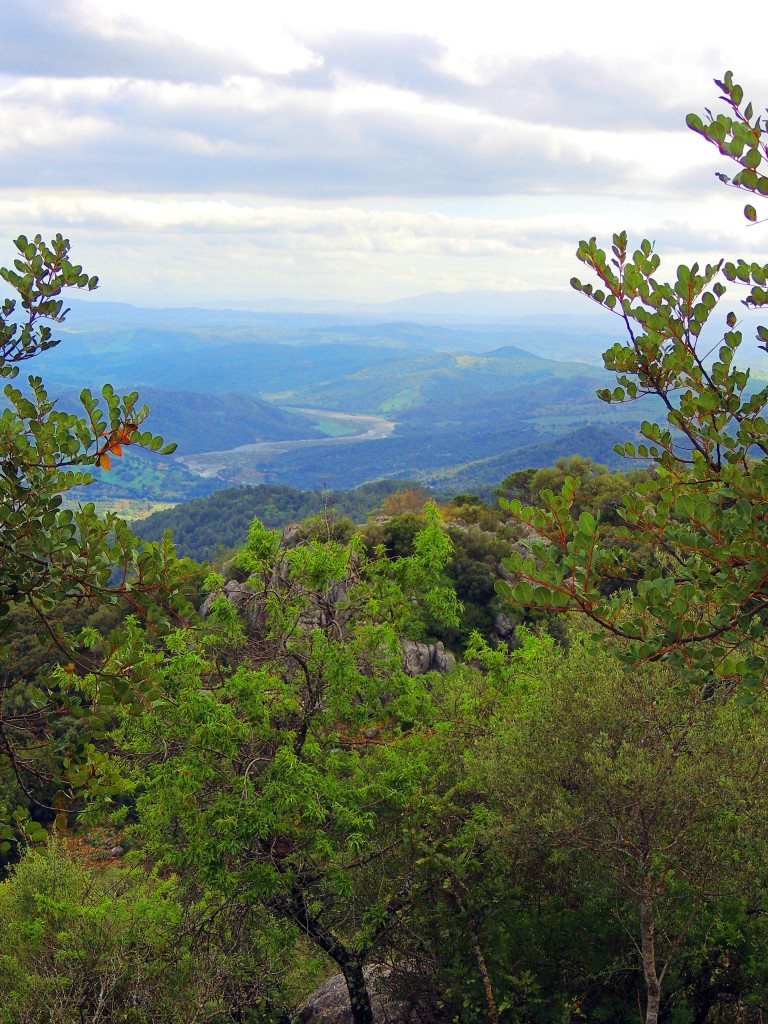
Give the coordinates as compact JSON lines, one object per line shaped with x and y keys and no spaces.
{"x":307,"y":401}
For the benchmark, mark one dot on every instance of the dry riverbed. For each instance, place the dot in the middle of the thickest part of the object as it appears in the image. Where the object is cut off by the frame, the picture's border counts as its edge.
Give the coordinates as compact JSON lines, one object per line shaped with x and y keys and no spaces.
{"x":243,"y":456}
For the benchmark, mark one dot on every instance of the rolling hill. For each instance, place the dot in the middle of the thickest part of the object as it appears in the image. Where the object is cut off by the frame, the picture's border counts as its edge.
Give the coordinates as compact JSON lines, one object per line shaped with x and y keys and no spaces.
{"x":466,"y":401}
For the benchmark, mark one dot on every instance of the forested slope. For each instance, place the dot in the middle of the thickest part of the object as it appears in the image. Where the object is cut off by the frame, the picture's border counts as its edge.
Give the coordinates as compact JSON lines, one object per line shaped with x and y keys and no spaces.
{"x":202,"y":527}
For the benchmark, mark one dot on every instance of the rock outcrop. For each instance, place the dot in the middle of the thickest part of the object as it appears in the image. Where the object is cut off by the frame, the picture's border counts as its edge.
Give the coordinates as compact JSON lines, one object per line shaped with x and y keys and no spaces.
{"x":397,"y":997}
{"x":504,"y":626}
{"x":238,"y":595}
{"x":419,"y":658}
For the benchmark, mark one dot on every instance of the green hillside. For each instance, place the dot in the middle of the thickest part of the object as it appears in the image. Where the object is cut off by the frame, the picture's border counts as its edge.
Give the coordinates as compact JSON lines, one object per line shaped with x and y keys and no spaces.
{"x":595,"y":442}
{"x":208,"y":422}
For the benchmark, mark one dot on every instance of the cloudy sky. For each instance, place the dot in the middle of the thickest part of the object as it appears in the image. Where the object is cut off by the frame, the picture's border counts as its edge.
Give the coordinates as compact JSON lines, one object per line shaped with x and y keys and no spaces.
{"x":358,"y":150}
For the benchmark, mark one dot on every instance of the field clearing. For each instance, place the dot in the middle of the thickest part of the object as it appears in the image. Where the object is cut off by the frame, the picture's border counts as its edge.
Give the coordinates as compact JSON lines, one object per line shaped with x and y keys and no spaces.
{"x":129,"y":509}
{"x":335,"y":428}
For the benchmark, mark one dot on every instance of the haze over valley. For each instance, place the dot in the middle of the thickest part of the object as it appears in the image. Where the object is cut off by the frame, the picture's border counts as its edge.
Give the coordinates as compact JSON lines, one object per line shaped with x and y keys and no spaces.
{"x":312,"y":399}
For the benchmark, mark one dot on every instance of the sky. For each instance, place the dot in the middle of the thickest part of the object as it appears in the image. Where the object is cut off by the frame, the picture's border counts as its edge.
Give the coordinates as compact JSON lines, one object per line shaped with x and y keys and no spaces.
{"x":348,"y":150}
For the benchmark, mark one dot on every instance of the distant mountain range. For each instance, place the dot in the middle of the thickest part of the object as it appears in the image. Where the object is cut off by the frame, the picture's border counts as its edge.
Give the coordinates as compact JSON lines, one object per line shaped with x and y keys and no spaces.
{"x":569,"y":325}
{"x":469,"y":306}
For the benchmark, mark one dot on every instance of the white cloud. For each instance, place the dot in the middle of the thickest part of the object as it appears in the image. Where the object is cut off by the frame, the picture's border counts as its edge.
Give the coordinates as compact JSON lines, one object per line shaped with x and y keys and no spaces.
{"x":180,"y":249}
{"x":228,"y":27}
{"x":351,"y":146}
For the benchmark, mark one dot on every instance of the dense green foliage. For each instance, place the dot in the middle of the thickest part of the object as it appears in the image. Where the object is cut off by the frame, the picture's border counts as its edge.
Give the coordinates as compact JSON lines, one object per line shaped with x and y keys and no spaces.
{"x":616,"y":783}
{"x":260,"y":771}
{"x":481,"y":535}
{"x":49,"y":554}
{"x":45,"y":724}
{"x":546,"y":836}
{"x":94,"y":942}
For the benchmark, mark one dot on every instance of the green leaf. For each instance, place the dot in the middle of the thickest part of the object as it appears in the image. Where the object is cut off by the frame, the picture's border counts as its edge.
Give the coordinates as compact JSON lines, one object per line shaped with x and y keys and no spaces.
{"x":587,"y":523}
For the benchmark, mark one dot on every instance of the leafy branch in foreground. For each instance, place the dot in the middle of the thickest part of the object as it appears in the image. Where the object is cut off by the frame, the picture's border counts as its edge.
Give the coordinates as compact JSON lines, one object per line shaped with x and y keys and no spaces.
{"x":49,"y":554}
{"x":738,"y":137}
{"x":700,"y":602}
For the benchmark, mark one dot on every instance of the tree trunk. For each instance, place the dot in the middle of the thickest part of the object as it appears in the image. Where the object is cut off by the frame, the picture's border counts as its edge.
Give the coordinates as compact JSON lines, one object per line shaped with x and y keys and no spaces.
{"x":490,"y":998}
{"x":648,"y":949}
{"x":351,"y":965}
{"x":359,"y":1000}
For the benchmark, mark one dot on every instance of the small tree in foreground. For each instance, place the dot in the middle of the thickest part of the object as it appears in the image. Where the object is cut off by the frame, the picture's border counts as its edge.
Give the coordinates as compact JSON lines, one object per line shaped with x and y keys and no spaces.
{"x":702,"y":604}
{"x":287,"y":768}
